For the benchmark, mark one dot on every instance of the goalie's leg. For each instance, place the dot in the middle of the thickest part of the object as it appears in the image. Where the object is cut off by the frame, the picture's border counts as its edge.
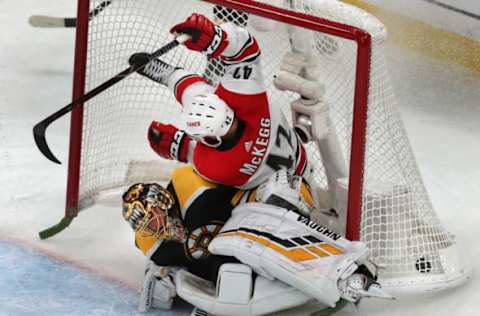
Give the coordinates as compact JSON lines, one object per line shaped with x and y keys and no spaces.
{"x":281,"y":244}
{"x":238,"y":292}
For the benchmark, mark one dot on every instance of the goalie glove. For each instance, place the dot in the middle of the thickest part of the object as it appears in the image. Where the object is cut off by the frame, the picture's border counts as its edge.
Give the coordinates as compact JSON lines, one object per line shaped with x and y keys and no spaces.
{"x":361,"y":284}
{"x":158,"y":287}
{"x":206,"y":36}
{"x":168,"y":141}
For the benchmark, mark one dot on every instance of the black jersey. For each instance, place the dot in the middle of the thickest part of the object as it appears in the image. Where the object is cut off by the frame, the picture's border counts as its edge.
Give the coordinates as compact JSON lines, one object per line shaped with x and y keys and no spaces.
{"x":204,"y":207}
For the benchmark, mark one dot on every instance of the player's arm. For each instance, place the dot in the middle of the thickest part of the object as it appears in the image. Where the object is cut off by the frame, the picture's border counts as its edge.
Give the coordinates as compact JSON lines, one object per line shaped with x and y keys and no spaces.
{"x":183,"y":83}
{"x":234,"y":45}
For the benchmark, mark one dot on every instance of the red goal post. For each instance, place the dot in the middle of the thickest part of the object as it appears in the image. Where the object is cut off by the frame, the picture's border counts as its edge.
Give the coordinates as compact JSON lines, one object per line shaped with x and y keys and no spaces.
{"x":382,"y":196}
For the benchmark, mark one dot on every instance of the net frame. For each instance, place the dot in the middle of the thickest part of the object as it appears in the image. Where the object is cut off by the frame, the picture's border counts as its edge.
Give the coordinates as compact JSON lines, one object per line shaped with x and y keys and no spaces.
{"x":362,"y":38}
{"x":358,"y":147}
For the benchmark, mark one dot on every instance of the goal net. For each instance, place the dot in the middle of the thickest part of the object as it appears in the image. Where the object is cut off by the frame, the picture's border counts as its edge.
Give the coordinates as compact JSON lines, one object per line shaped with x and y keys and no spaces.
{"x":376,"y":187}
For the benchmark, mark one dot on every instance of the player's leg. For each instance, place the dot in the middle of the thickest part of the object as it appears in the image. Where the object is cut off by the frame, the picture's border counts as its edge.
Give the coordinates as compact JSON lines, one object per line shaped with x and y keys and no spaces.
{"x":273,"y":240}
{"x":238,"y":292}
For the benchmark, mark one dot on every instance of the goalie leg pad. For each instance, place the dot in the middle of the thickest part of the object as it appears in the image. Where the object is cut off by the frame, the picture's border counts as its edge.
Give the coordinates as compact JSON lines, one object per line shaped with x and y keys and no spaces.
{"x":308,"y":89}
{"x":234,"y":283}
{"x":304,"y":115}
{"x":266,"y":297}
{"x":291,"y":247}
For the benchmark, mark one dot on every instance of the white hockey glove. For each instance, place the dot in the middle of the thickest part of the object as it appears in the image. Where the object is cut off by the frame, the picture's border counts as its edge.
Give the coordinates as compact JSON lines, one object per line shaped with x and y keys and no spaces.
{"x":283,"y":190}
{"x":158,"y":287}
{"x":361,"y":284}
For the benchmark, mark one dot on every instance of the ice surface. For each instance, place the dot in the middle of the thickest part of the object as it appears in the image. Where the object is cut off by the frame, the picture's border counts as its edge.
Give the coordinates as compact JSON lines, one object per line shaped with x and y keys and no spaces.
{"x":32,"y":283}
{"x":98,"y":269}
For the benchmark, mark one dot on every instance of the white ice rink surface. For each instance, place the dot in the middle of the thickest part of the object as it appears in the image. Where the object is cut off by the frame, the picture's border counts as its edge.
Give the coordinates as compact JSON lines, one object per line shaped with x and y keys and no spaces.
{"x":440,"y":104}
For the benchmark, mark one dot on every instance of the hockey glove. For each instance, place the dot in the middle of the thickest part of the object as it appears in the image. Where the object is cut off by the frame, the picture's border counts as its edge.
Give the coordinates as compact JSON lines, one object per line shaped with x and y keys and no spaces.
{"x":168,"y":141}
{"x":362,"y":283}
{"x":158,"y":287}
{"x":206,"y":36}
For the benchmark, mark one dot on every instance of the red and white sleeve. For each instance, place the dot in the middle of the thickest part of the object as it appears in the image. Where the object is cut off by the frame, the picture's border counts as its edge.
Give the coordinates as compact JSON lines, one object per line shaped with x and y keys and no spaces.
{"x":242,"y":46}
{"x":185,"y":84}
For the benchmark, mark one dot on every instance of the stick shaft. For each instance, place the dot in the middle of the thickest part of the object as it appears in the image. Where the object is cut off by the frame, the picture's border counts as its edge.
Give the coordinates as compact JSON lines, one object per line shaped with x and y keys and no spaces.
{"x":51,"y":21}
{"x":40,"y":128}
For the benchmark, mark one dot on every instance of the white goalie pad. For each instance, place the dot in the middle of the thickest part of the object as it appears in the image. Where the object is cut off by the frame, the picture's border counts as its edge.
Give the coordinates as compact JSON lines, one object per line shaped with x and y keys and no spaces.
{"x":309,"y":89}
{"x":311,"y":119}
{"x":290,"y":247}
{"x":236,"y":294}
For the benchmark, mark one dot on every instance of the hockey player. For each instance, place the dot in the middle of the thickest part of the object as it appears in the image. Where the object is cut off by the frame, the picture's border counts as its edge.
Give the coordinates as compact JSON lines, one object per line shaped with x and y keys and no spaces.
{"x":175,"y":232}
{"x":173,"y":228}
{"x":233,"y":135}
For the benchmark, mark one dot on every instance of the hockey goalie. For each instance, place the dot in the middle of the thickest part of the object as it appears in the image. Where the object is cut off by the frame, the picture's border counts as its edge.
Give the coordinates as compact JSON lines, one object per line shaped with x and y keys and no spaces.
{"x":228,"y":251}
{"x":234,"y":252}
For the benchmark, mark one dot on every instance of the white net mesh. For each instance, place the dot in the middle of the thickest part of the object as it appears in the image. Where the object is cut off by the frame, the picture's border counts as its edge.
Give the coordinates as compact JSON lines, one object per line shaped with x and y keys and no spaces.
{"x":397,"y":223}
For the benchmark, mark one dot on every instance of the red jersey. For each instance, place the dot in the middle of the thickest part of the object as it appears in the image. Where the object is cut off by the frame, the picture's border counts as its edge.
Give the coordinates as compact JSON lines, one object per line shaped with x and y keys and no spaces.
{"x":267,"y":142}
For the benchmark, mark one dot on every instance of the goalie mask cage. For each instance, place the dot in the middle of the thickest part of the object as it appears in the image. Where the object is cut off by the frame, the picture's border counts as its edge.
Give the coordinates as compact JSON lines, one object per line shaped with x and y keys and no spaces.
{"x":381,"y":191}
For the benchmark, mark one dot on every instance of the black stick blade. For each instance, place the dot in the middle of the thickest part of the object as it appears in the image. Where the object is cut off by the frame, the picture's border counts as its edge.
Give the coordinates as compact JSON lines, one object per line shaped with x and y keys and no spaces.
{"x":39,"y":136}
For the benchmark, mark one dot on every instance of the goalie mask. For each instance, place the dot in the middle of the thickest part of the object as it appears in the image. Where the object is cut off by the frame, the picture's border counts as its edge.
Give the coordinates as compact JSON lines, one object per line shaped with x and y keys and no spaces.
{"x":152,"y":210}
{"x":207,"y":118}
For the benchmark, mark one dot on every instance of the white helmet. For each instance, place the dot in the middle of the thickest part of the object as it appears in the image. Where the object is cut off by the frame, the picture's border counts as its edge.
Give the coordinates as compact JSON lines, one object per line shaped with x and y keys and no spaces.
{"x":207,"y":116}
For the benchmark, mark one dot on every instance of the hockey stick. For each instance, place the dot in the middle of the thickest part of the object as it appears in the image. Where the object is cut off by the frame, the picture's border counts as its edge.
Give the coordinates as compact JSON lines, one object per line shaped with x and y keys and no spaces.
{"x":49,"y":232}
{"x":51,"y":21}
{"x":39,"y":128}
